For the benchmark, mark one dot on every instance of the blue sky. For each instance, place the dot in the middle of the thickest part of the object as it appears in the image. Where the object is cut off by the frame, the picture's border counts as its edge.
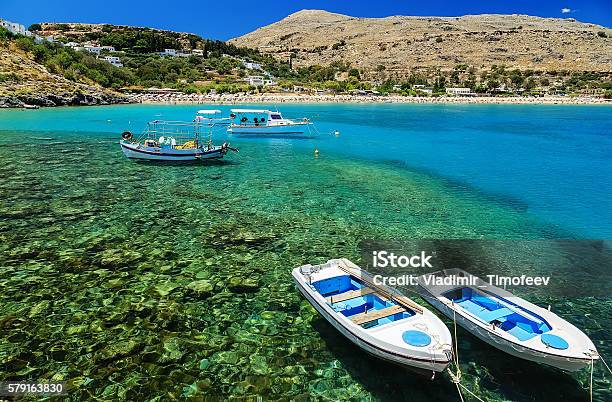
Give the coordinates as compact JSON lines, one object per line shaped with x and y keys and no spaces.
{"x":227,"y":19}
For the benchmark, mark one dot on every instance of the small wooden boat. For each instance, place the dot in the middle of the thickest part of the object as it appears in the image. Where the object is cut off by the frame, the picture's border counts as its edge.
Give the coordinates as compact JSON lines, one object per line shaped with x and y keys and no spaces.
{"x":173,"y":141}
{"x":376,"y":318}
{"x":252,"y":121}
{"x":507,"y":322}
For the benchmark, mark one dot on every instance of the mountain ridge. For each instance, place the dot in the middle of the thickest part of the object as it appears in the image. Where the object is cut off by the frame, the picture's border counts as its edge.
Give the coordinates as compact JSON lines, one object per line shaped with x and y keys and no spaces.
{"x":404,"y":43}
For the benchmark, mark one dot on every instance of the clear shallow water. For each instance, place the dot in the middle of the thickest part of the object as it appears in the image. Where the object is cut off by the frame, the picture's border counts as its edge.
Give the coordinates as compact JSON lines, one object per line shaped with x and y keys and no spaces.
{"x":131,"y":279}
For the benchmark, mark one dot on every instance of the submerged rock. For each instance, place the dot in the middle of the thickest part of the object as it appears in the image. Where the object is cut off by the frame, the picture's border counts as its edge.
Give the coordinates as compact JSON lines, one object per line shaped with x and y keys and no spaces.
{"x":201,"y":287}
{"x":242,"y":285}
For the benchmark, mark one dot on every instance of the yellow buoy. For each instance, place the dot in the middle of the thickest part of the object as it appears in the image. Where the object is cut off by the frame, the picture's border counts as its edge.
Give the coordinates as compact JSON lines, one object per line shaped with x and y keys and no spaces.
{"x":316,"y":153}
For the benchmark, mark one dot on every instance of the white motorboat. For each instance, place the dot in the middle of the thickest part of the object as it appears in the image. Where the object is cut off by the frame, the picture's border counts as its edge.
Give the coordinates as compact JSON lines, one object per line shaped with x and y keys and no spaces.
{"x":254,"y":121}
{"x":376,"y":318}
{"x":507,"y":322}
{"x":212,"y":116}
{"x":173,"y":141}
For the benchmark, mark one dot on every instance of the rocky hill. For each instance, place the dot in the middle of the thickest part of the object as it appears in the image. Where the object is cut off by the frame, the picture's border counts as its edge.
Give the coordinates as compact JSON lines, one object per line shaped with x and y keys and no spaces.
{"x":24,"y":81}
{"x":401,"y":44}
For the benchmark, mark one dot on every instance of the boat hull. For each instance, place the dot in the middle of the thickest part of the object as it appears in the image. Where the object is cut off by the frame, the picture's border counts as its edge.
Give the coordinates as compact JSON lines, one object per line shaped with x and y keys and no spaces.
{"x":423,"y":361}
{"x":141,"y":152}
{"x":285,"y":129}
{"x":514,"y":349}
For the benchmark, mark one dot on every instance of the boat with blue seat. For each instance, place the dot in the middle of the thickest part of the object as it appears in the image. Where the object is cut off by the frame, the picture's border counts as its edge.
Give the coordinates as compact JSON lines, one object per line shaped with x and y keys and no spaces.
{"x":377,"y":318}
{"x":506,"y":321}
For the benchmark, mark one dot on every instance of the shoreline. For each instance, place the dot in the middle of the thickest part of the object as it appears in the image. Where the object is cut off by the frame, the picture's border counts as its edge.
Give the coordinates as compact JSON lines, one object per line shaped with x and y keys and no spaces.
{"x":63,"y":99}
{"x":228,"y":99}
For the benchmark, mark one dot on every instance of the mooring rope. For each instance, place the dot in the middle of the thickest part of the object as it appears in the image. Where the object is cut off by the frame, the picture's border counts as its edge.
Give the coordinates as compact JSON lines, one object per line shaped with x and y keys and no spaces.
{"x":604,"y":362}
{"x":591,"y":382}
{"x":456,"y":377}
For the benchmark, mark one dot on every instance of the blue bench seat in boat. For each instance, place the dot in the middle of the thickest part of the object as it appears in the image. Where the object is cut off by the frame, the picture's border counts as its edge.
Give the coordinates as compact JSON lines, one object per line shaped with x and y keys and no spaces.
{"x":520,"y":334}
{"x":336,"y":285}
{"x":484,"y":314}
{"x":490,"y":316}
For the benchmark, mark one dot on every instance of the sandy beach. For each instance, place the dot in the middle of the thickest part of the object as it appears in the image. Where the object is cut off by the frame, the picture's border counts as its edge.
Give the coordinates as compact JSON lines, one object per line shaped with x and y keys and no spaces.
{"x":176,"y":98}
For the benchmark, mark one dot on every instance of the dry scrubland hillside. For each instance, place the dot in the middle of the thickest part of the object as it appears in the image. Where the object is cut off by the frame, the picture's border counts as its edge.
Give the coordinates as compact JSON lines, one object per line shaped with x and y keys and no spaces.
{"x":23,"y":81}
{"x":402,"y":43}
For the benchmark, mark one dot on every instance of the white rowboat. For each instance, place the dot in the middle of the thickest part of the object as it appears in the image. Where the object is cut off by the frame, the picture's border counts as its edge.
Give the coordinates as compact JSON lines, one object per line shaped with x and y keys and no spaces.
{"x":507,"y":322}
{"x":376,"y":318}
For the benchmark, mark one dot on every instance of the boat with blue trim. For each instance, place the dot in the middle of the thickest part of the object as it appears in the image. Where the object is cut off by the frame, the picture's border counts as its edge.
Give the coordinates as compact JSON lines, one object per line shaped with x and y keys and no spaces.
{"x":255,"y":121}
{"x":173,"y":141}
{"x":507,"y":322}
{"x":377,"y":318}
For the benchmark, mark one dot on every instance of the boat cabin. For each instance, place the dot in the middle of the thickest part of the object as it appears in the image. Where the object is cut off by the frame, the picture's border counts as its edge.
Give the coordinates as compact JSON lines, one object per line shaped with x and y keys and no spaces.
{"x":258,"y":117}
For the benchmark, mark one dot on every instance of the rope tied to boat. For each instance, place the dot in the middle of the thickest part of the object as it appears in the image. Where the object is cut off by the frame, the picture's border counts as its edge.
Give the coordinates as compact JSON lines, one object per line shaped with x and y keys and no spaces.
{"x":591,"y":381}
{"x":456,"y":377}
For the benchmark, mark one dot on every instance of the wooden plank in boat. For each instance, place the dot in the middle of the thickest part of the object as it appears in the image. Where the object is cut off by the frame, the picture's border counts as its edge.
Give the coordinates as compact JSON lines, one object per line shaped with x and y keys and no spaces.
{"x":376,"y":314}
{"x":349,"y":295}
{"x":380,"y":290}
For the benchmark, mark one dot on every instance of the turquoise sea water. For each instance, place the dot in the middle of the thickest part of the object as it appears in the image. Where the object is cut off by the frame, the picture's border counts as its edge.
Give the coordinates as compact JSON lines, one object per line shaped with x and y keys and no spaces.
{"x":128,"y":279}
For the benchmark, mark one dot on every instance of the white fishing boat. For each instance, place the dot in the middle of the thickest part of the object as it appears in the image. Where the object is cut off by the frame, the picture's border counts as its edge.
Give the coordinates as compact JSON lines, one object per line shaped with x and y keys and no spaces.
{"x":376,"y":318}
{"x":212,"y":116}
{"x":173,"y":141}
{"x":507,"y":322}
{"x":254,"y":121}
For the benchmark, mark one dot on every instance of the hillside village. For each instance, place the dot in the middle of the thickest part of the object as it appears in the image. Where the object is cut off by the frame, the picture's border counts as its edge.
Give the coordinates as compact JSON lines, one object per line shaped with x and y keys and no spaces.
{"x":133,"y":60}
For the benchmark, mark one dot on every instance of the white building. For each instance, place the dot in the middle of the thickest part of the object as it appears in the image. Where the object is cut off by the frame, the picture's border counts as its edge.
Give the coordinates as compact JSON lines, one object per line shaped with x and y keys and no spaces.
{"x":197,"y":52}
{"x":169,"y":52}
{"x":459,"y":91}
{"x":14,"y":28}
{"x":108,"y":48}
{"x":270,"y":83}
{"x":72,"y":44}
{"x":255,"y":80}
{"x":252,"y":66}
{"x":92,"y":49}
{"x":40,"y":39}
{"x":114,"y":60}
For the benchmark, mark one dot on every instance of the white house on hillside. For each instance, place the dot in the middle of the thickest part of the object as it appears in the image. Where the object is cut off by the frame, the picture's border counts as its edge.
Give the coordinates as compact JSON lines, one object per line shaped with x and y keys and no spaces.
{"x":252,"y":66}
{"x":459,"y":91}
{"x":255,"y":80}
{"x":114,"y":60}
{"x":93,"y":49}
{"x":169,"y":52}
{"x":14,"y":28}
{"x":108,"y":48}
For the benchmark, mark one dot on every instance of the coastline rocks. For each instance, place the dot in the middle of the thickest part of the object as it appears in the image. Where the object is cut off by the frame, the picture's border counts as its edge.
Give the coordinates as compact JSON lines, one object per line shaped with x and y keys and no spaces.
{"x":62,"y":99}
